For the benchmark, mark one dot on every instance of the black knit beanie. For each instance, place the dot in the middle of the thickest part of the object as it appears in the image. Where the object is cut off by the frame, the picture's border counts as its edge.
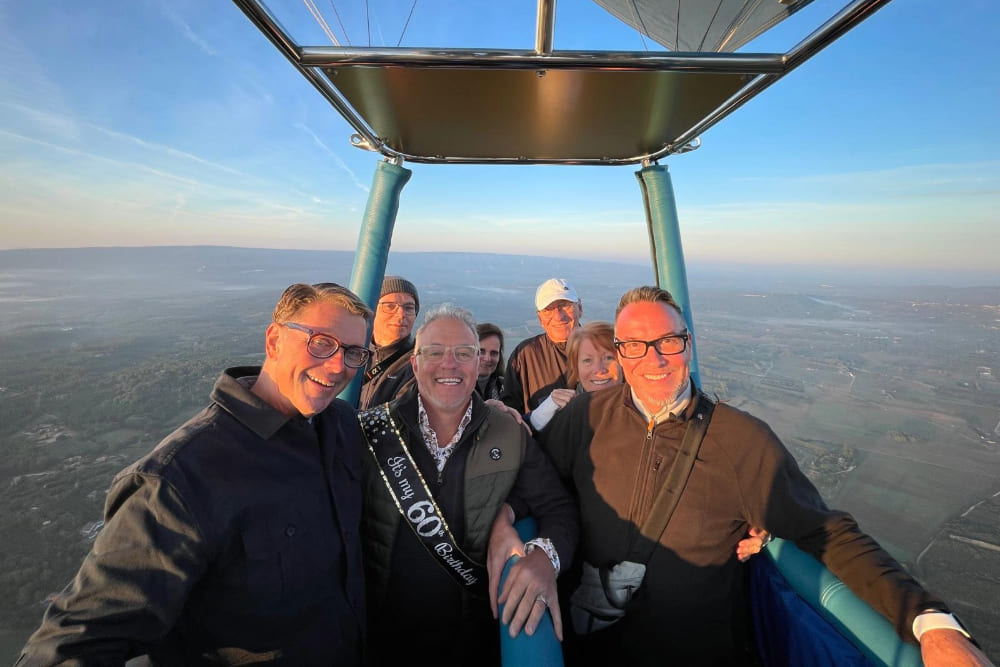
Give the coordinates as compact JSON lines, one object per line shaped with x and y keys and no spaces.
{"x":394,"y":284}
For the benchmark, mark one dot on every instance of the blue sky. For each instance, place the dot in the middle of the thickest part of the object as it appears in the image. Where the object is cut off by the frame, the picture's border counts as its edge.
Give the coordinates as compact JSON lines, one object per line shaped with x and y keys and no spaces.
{"x":157,"y":122}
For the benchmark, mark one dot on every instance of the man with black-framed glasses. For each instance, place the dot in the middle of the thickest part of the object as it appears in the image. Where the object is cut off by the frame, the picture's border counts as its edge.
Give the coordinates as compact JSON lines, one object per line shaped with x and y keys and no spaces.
{"x":237,"y":539}
{"x":388,"y":373}
{"x":676,"y":585}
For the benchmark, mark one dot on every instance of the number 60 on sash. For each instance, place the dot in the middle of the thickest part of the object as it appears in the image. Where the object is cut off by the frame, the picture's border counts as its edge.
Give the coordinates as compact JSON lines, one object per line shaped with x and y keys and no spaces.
{"x":421,"y":515}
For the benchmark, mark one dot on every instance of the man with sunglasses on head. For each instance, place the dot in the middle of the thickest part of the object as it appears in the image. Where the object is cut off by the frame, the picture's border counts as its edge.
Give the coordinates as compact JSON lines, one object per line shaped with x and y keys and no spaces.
{"x":237,"y":539}
{"x":389,"y":374}
{"x":537,"y":371}
{"x":442,"y":466}
{"x":687,"y":605}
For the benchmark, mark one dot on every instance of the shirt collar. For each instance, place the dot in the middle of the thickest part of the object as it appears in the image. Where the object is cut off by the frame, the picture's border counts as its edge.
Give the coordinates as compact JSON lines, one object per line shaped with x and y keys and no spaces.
{"x":667,"y":411}
{"x":430,"y":439}
{"x":232,"y":394}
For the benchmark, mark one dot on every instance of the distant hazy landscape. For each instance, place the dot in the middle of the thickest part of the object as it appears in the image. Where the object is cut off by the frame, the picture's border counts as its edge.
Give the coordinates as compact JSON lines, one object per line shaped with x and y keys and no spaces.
{"x":887,"y":393}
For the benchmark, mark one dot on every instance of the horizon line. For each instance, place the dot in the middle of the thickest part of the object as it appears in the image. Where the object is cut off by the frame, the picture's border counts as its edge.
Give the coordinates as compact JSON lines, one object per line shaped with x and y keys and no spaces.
{"x":695,"y":265}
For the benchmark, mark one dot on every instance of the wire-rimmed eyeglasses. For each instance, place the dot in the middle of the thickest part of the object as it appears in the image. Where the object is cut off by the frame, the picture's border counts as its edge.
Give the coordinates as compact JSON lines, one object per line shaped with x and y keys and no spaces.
{"x":667,"y":345}
{"x":324,"y":346}
{"x":390,"y":308}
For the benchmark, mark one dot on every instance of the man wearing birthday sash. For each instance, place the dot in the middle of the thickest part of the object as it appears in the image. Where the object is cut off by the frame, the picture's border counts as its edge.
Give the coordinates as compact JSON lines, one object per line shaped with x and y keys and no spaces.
{"x":442,"y":465}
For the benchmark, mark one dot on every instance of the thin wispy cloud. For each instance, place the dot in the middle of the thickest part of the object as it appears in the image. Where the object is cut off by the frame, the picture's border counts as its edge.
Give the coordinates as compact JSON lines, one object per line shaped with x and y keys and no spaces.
{"x":167,"y":150}
{"x":70,"y":130}
{"x":68,"y":126}
{"x":336,"y":158}
{"x":213,"y":199}
{"x":377,"y":24}
{"x":768,"y":215}
{"x":37,"y":122}
{"x":101,"y":158}
{"x":167,"y":9}
{"x":897,"y":232}
{"x":258,"y":92}
{"x":570,"y":234}
{"x":179,"y":207}
{"x":956,"y":179}
{"x":21,"y":75}
{"x":565,"y":219}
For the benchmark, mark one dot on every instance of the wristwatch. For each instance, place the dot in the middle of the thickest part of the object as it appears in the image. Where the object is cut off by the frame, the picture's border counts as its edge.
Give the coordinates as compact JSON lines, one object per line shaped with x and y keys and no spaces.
{"x":938,"y":619}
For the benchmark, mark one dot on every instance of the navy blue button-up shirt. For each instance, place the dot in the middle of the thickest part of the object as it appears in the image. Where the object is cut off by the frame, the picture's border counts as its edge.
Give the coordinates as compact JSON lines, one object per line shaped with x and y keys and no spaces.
{"x":234,"y":540}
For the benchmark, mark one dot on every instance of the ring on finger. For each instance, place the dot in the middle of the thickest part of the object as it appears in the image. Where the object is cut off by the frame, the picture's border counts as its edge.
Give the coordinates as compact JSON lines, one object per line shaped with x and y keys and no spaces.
{"x":541,"y":598}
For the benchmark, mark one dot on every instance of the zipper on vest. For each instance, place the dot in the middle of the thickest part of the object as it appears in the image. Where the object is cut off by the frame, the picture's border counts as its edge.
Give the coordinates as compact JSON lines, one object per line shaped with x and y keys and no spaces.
{"x":648,"y":475}
{"x":647,"y":483}
{"x":641,"y":476}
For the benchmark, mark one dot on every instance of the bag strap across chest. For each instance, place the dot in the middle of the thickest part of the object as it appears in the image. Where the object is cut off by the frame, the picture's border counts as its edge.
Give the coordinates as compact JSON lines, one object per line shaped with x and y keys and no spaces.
{"x":377,"y":369}
{"x":670,"y":493}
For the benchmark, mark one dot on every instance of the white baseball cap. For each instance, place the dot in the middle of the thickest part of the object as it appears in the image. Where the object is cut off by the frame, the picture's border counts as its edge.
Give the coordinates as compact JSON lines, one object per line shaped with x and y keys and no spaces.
{"x":554,"y":289}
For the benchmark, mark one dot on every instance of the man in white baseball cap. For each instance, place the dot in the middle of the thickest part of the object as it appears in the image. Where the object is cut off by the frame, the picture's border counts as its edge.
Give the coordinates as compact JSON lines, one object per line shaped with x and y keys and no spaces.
{"x":537,"y":367}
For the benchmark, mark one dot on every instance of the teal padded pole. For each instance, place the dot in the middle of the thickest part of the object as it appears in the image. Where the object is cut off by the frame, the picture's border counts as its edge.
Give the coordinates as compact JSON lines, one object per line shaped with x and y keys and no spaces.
{"x":864,"y":627}
{"x":374,"y":240}
{"x":665,"y":244}
{"x":541,"y":649}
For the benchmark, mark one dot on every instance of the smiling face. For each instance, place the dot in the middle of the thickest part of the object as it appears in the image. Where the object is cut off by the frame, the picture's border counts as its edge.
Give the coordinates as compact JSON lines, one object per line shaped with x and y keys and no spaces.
{"x":390,"y":327}
{"x":597,"y":366}
{"x":559,"y":319}
{"x":489,"y":355}
{"x":446,"y":385}
{"x":657,"y":379}
{"x":299,"y":383}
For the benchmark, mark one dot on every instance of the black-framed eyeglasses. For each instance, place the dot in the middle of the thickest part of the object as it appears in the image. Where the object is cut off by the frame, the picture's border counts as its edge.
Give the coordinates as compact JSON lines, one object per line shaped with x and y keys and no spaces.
{"x":390,"y":308}
{"x":636,"y":349}
{"x":324,"y":346}
{"x":463,"y":354}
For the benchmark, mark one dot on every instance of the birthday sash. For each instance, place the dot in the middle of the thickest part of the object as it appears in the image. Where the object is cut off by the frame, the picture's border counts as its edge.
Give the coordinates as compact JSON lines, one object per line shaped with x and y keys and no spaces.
{"x":416,"y":504}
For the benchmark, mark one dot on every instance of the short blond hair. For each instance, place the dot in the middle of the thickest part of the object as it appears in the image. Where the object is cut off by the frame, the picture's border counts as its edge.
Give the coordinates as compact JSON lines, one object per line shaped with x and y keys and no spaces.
{"x":648,"y":294}
{"x":300,"y":295}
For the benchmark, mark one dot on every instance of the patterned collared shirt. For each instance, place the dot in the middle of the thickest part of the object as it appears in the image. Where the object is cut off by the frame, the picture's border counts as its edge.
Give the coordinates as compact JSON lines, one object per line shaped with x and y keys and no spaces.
{"x":440,"y":454}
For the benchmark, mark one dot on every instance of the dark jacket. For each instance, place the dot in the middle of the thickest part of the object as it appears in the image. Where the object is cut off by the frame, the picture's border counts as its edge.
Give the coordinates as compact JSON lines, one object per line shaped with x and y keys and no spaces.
{"x":412,"y":600}
{"x":384,"y":382}
{"x":491,"y":388}
{"x":691,"y":599}
{"x":536,"y":367}
{"x":236,"y":539}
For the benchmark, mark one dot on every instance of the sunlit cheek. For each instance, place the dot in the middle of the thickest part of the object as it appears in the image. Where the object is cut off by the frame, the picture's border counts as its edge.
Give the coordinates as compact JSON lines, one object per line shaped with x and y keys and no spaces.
{"x":677,"y":362}
{"x":629,"y":372}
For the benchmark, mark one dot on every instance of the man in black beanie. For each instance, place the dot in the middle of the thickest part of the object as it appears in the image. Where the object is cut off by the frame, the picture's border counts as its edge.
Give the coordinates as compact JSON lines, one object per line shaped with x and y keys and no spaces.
{"x":389,"y":373}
